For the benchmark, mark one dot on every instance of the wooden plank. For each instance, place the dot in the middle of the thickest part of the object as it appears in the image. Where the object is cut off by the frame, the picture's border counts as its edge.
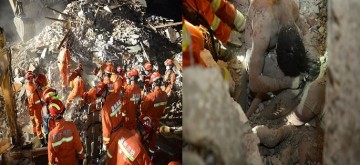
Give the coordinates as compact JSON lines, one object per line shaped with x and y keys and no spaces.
{"x":169,"y":24}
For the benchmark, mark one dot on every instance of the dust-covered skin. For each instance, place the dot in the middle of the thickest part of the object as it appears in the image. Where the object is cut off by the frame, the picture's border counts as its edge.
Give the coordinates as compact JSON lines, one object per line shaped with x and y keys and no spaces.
{"x":266,"y":17}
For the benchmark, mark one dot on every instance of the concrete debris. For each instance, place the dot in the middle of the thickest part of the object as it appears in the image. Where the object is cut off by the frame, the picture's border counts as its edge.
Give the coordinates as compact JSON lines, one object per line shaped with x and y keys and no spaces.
{"x":321,"y":29}
{"x":222,"y":130}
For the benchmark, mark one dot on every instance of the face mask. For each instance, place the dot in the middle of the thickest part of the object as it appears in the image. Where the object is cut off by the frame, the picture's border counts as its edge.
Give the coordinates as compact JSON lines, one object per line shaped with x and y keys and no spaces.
{"x":168,"y":67}
{"x":146,"y":72}
{"x":128,"y":81}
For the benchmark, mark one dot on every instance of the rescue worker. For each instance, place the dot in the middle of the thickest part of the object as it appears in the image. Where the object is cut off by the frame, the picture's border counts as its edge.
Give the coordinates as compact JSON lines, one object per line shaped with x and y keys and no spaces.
{"x":47,"y":123}
{"x":146,"y":130}
{"x":41,"y":81}
{"x":106,"y":67}
{"x":128,"y":79}
{"x":64,"y":140}
{"x":117,"y":80}
{"x":146,"y":77}
{"x":35,"y":105}
{"x":120,"y":72}
{"x":221,"y":17}
{"x":78,"y":85}
{"x":192,"y":45}
{"x":89,"y":97}
{"x":130,"y":150}
{"x":131,"y":101}
{"x":127,"y":148}
{"x":64,"y":64}
{"x":153,"y":106}
{"x":169,"y":77}
{"x":111,"y":115}
{"x":75,"y":73}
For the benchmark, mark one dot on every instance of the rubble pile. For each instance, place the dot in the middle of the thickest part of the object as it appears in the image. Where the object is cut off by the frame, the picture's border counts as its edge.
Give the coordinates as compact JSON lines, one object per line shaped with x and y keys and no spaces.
{"x":314,"y":19}
{"x":314,"y":15}
{"x":120,"y":32}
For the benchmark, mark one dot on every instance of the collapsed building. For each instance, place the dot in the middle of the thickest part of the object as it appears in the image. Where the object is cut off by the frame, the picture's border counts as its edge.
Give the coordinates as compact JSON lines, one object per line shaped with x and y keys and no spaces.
{"x":225,"y":134}
{"x":121,"y":32}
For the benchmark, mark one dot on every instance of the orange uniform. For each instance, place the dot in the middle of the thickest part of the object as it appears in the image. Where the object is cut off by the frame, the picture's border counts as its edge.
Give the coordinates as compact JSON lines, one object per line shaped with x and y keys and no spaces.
{"x":64,"y":65}
{"x":220,"y":15}
{"x":192,"y":45}
{"x":129,"y":149}
{"x":117,"y":81}
{"x":90,"y":98}
{"x":131,"y":101}
{"x":35,"y":105}
{"x":72,"y":77}
{"x":147,"y":80}
{"x":78,"y":86}
{"x":111,"y":116}
{"x":64,"y":143}
{"x":169,"y":79}
{"x":153,"y":106}
{"x":174,"y":163}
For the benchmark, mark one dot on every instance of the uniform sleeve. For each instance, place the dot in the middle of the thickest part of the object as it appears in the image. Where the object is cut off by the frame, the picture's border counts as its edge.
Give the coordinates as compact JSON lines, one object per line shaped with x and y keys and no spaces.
{"x":76,"y":84}
{"x":106,"y":125}
{"x":51,"y":154}
{"x":67,"y":58}
{"x":78,"y":146}
{"x":145,"y":105}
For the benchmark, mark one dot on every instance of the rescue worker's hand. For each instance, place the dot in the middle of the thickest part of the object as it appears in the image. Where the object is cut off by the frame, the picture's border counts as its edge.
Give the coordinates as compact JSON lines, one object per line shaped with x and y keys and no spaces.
{"x":104,"y":148}
{"x":235,"y":38}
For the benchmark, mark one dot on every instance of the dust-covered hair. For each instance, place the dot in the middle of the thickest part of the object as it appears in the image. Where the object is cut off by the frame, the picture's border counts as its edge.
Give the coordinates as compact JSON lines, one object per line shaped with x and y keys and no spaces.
{"x":291,"y":55}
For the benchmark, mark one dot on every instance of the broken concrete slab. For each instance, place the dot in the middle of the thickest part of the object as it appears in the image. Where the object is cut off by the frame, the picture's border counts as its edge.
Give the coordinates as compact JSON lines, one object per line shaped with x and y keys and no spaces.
{"x":210,"y":116}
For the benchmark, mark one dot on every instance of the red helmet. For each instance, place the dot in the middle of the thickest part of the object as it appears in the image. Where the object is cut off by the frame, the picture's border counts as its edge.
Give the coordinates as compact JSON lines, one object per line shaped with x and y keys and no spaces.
{"x":155,"y":76}
{"x":146,"y":123}
{"x":169,"y":62}
{"x":48,"y":94}
{"x":119,"y":69}
{"x":41,"y":80}
{"x":56,"y":107}
{"x":148,"y":66}
{"x":29,"y":75}
{"x":134,"y":72}
{"x":109,"y":67}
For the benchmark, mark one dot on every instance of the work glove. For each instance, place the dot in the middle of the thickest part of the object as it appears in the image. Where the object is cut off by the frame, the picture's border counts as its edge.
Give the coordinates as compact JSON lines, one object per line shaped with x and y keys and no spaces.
{"x":235,"y":38}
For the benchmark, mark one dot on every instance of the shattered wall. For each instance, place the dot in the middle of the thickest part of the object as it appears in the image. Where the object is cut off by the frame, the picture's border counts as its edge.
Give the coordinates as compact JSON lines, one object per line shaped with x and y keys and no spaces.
{"x":342,"y":127}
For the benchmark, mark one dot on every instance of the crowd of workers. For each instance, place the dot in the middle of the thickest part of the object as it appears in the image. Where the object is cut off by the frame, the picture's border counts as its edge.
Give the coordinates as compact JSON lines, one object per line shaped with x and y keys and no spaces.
{"x":131,"y":103}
